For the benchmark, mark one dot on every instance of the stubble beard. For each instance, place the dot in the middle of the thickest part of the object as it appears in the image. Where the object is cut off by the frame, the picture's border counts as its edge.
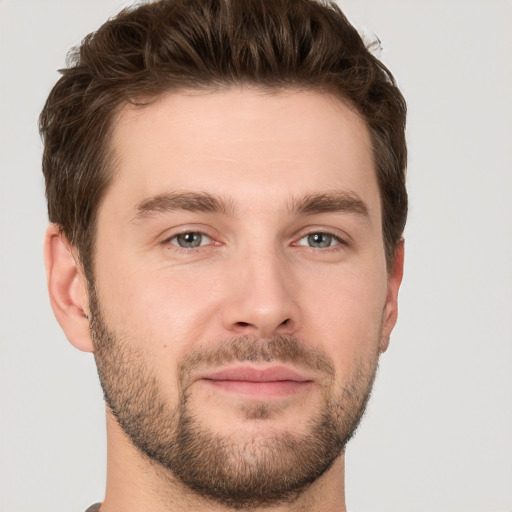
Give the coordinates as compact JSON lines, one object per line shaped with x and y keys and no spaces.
{"x":267,"y":468}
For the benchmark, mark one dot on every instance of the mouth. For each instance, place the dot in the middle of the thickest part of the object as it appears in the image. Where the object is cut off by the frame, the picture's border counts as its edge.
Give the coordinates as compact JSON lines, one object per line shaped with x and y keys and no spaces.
{"x":270,"y":382}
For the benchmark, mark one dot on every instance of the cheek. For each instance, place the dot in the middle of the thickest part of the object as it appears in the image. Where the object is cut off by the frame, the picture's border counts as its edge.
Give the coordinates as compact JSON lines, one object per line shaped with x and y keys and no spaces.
{"x":160,"y":307}
{"x":157,"y":314}
{"x":345,"y":313}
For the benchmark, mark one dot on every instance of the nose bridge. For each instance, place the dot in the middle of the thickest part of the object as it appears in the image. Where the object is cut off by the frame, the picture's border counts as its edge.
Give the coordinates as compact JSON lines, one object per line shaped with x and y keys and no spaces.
{"x":263,"y":302}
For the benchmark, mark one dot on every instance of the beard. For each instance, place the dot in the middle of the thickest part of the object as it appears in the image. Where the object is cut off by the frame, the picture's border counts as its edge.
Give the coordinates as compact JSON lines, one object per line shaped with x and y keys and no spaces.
{"x":249,"y":470}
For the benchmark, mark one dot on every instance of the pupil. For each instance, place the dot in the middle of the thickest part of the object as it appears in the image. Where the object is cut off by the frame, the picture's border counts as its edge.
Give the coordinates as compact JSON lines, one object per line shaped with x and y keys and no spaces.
{"x":319,"y":240}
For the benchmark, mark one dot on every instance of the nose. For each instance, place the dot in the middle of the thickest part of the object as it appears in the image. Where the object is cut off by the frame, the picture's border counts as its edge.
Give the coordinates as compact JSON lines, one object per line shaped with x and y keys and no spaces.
{"x":263,"y":297}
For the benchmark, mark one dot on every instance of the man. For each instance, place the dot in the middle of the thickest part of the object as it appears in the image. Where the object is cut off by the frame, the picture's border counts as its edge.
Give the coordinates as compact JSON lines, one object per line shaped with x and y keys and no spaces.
{"x":226,"y":191}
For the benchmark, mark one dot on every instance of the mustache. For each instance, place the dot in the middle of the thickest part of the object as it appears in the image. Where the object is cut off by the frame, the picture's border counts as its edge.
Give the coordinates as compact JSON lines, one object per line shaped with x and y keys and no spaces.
{"x":280,"y":348}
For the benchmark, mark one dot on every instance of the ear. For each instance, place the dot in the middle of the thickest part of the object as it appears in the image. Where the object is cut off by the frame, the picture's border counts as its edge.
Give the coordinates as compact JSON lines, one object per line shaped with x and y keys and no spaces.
{"x":67,"y":287}
{"x":390,"y":313}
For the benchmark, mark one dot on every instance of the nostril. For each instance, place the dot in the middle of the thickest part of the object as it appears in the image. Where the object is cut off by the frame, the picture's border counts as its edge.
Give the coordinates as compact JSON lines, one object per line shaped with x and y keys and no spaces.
{"x":248,"y":324}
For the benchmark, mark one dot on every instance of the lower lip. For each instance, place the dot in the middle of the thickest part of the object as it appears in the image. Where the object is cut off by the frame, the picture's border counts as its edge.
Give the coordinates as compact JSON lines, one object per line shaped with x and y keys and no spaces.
{"x":260,"y":389}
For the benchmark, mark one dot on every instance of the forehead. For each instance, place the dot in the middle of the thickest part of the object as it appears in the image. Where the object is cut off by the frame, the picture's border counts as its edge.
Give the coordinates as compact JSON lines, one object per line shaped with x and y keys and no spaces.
{"x":242,"y":142}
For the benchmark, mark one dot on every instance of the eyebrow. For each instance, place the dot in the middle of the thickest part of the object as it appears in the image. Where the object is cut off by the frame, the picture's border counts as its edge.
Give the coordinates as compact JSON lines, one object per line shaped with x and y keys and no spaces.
{"x":182,"y":201}
{"x":329,"y":202}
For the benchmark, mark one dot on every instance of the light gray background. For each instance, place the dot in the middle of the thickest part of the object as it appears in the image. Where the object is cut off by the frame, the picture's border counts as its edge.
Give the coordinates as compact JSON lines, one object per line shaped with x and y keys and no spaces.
{"x":438,"y":433}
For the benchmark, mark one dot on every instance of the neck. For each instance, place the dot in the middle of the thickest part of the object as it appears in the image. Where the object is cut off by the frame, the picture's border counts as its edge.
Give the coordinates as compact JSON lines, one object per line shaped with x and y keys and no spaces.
{"x":137,"y":484}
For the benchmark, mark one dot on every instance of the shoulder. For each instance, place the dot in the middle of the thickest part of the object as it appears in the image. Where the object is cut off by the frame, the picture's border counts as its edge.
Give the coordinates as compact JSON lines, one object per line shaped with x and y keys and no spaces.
{"x":94,"y":508}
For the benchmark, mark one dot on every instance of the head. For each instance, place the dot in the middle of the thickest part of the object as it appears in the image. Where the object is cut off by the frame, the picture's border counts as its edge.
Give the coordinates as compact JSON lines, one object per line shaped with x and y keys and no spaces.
{"x":227,"y":184}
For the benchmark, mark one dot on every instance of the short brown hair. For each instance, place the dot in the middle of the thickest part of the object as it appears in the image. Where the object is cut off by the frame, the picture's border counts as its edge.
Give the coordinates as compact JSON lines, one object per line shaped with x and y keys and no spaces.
{"x":181,"y":44}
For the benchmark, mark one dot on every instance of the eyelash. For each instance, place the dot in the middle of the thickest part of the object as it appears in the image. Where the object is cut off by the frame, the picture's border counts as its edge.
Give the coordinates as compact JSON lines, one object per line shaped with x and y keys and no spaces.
{"x":340,"y":242}
{"x":169,"y":241}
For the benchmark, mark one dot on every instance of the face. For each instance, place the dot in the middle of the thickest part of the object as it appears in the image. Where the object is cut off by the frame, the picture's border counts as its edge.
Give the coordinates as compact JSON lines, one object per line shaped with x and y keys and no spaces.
{"x":241,"y":297}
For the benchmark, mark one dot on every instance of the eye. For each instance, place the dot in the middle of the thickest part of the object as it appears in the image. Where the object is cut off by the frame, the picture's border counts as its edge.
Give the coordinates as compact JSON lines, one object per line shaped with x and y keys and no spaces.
{"x":190,"y":240}
{"x":319,"y":240}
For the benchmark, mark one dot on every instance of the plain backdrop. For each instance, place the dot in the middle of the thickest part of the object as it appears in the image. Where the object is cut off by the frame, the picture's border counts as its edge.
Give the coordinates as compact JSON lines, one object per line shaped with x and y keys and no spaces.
{"x":438,"y":433}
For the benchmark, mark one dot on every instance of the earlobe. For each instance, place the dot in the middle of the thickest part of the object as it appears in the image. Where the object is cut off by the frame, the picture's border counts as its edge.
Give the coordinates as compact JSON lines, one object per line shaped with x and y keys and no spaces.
{"x":390,"y":313}
{"x":67,"y":288}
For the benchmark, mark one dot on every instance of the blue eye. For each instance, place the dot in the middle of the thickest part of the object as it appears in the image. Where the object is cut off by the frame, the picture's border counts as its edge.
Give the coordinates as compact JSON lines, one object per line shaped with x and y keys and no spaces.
{"x":319,"y":240}
{"x":190,"y":240}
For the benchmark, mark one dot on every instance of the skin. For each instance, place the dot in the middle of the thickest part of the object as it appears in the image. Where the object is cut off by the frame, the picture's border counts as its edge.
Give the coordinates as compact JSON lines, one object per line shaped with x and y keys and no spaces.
{"x":255,"y":275}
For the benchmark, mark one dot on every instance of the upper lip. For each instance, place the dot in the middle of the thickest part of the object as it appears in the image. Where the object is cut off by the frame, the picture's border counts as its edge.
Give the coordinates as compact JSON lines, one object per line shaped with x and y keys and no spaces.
{"x":253,"y":374}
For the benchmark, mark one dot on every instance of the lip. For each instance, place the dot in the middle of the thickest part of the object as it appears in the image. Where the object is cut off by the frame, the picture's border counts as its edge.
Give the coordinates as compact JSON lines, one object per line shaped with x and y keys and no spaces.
{"x":274,"y":381}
